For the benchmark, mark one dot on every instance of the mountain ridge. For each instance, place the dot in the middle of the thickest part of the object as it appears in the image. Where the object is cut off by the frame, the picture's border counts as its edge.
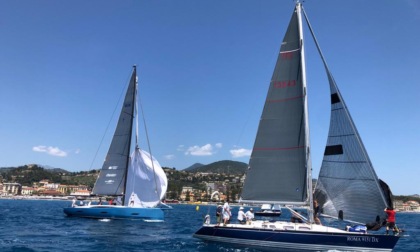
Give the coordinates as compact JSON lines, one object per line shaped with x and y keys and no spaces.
{"x":223,"y":166}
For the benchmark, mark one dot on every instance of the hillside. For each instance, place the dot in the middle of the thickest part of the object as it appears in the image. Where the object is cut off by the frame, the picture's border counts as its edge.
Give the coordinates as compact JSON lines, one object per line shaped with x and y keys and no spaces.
{"x":194,"y":166}
{"x":225,"y":166}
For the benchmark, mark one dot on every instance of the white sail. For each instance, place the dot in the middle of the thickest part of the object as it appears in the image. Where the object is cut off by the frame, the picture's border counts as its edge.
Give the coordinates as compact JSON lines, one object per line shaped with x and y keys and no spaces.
{"x":146,"y":179}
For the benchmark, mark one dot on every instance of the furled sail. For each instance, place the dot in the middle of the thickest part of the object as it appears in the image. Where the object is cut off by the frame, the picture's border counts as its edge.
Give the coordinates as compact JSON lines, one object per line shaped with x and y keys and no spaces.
{"x":112,"y":176}
{"x":147,"y":182}
{"x":277,"y":170}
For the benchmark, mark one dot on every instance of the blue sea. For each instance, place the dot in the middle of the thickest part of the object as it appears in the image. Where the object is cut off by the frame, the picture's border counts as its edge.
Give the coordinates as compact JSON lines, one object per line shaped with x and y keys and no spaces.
{"x":40,"y":225}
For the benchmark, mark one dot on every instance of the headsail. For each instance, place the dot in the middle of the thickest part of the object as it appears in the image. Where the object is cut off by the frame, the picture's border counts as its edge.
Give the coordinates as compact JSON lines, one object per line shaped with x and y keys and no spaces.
{"x":146,"y":181}
{"x":347,"y":187}
{"x":278,"y":166}
{"x":111,"y":179}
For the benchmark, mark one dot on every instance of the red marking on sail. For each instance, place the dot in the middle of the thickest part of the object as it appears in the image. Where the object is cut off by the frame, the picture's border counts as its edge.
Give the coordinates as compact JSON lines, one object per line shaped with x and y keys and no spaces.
{"x":284,"y":84}
{"x":286,"y":99}
{"x":286,"y":55}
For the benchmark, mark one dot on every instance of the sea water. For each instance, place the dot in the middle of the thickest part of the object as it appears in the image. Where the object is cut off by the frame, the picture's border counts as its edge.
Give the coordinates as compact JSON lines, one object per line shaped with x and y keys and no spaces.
{"x":41,"y":225}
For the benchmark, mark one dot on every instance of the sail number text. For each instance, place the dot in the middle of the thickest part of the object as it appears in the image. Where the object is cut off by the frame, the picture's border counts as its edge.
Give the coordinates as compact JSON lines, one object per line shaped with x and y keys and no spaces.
{"x":284,"y":84}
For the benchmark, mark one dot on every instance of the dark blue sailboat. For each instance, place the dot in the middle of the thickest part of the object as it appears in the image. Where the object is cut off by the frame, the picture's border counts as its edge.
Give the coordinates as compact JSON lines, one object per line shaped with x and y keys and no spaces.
{"x":280,"y":167}
{"x":137,"y":179}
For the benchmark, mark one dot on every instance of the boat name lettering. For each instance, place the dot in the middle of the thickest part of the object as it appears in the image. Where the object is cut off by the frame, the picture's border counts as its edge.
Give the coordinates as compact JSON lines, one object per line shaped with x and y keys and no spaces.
{"x":362,"y":239}
{"x":113,"y":167}
{"x":284,"y":84}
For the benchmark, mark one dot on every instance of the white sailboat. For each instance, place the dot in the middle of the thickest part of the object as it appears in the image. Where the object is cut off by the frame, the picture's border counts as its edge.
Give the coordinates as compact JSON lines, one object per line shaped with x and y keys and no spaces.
{"x":280,"y":167}
{"x":137,"y":180}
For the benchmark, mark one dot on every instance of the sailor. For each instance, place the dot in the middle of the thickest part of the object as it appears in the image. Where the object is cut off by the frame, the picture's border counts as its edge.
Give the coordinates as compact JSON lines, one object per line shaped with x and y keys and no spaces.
{"x":226,"y":213}
{"x":249,"y":216}
{"x":316,"y":212}
{"x":390,"y":221}
{"x":219,"y":210}
{"x":241,"y":216}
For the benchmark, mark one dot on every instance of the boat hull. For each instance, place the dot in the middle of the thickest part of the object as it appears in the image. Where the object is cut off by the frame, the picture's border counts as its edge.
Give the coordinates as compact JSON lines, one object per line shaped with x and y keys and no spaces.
{"x":297,"y":239}
{"x":115,"y":212}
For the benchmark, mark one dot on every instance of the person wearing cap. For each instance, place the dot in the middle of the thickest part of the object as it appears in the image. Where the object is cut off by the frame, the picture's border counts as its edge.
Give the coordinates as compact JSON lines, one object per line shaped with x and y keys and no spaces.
{"x":249,"y":215}
{"x":241,"y":216}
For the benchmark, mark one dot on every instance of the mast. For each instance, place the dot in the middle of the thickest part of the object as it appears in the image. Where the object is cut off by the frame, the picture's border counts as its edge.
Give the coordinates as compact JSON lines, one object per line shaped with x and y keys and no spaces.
{"x":131,"y":130}
{"x":305,"y":100}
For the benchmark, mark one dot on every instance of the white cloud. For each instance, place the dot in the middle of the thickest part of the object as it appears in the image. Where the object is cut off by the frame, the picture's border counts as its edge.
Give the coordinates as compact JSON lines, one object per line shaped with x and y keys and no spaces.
{"x":169,"y":157}
{"x":53,"y":151}
{"x":180,"y":147}
{"x":205,"y":150}
{"x":236,"y":153}
{"x":219,"y":145}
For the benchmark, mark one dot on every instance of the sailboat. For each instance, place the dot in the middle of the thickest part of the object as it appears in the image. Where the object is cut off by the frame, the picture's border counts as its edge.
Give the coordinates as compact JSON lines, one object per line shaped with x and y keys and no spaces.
{"x":269,"y":210}
{"x":280,"y":168}
{"x":137,"y":182}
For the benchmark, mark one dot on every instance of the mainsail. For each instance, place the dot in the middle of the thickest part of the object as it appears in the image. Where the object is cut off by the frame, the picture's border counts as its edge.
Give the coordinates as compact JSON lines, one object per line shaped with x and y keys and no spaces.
{"x":111,"y":179}
{"x":279,"y":163}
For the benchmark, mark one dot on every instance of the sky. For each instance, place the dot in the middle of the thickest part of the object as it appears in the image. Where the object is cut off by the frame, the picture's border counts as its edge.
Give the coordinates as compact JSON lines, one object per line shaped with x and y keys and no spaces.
{"x":204,"y":69}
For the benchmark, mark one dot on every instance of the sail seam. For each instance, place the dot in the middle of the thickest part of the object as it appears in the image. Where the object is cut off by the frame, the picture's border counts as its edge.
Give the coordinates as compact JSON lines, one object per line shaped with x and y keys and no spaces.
{"x":288,"y":148}
{"x":286,"y":99}
{"x":345,"y":162}
{"x":347,"y":178}
{"x":345,"y":135}
{"x":294,"y":50}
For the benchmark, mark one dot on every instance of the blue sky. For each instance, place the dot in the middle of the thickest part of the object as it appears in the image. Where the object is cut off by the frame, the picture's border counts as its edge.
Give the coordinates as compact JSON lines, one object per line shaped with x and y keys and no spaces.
{"x":204,"y":69}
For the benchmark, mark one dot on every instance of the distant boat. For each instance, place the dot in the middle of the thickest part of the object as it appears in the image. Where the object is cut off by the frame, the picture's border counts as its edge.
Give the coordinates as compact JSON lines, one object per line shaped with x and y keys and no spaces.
{"x":269,"y":210}
{"x":137,"y":183}
{"x":279,"y":169}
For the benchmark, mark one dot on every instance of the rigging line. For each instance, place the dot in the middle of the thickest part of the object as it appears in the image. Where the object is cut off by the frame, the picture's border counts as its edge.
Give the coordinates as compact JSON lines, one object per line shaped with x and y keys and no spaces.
{"x":336,"y":218}
{"x":148,"y":144}
{"x":109,"y":123}
{"x":107,"y":127}
{"x":346,"y":112}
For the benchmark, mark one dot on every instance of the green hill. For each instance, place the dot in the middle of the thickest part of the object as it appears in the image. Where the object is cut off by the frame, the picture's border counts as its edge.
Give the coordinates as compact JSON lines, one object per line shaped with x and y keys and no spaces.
{"x":225,"y":166}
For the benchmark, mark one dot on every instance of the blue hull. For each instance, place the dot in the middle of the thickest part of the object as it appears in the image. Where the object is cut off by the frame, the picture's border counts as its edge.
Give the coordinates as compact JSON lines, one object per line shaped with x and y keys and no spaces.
{"x":297,"y":240}
{"x":111,"y":212}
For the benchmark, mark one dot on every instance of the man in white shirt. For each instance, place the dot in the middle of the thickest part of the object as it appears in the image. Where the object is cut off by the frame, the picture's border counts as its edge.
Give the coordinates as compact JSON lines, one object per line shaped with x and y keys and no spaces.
{"x":241,"y":216}
{"x":226,"y":213}
{"x":249,"y":216}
